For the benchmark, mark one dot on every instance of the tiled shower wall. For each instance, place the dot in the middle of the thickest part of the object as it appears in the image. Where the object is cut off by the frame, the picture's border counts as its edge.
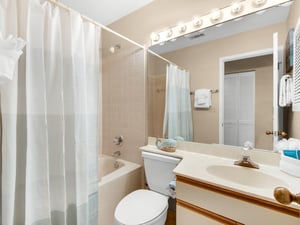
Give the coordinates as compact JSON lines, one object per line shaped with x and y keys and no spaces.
{"x":123,"y":95}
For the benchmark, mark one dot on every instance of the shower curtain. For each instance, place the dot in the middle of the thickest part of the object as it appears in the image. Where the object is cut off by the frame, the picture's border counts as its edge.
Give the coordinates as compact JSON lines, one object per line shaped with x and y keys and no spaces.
{"x":62,"y":101}
{"x":178,"y":113}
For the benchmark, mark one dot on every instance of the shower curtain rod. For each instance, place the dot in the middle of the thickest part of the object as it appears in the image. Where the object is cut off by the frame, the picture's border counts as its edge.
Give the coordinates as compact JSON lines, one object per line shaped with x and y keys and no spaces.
{"x":168,"y":61}
{"x":55,"y":2}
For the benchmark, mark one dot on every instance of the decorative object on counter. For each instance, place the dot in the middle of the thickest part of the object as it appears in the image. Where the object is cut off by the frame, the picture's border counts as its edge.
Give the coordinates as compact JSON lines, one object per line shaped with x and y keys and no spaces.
{"x":284,"y":196}
{"x":168,"y":145}
{"x":290,"y":156}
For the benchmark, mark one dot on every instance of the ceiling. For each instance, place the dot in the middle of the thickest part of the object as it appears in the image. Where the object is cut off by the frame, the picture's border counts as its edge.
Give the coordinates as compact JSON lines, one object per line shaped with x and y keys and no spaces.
{"x":106,"y":11}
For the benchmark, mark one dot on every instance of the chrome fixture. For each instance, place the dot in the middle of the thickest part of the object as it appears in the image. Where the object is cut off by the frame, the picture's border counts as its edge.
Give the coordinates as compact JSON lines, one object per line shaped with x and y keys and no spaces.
{"x":115,"y":48}
{"x":118,"y":140}
{"x":116,"y":154}
{"x":245,"y":160}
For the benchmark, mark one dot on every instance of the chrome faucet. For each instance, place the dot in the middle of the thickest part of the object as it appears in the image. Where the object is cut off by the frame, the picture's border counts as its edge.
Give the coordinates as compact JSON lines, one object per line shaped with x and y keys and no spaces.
{"x":245,"y":160}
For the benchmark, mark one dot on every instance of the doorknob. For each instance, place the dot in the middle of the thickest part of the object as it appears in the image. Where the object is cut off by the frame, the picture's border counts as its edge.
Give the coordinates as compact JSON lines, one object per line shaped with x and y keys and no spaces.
{"x":285,"y":197}
{"x":279,"y":133}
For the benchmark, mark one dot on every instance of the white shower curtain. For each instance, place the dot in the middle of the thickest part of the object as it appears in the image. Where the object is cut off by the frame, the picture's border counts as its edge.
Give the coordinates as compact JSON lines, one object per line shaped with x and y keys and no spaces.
{"x":61,"y":147}
{"x":178,"y":113}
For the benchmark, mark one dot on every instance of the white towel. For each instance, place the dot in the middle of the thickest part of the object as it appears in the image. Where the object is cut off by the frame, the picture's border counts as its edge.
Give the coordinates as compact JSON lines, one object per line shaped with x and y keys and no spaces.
{"x":10,"y":51}
{"x":285,"y":91}
{"x":202,"y":98}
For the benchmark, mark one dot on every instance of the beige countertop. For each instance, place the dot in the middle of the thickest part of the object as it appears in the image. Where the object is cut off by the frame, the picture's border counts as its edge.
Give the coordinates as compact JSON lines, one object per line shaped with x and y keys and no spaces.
{"x":221,"y":172}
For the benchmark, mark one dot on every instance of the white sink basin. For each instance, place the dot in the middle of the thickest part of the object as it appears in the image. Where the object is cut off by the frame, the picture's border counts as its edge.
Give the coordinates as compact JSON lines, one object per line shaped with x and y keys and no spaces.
{"x":245,"y":176}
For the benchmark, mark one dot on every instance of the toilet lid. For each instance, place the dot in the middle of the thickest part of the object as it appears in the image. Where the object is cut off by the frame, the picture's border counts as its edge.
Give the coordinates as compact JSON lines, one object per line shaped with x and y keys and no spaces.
{"x":140,"y":207}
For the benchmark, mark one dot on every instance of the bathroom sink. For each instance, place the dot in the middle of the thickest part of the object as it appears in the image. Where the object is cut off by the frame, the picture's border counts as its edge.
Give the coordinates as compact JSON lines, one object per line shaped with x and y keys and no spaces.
{"x":245,"y":176}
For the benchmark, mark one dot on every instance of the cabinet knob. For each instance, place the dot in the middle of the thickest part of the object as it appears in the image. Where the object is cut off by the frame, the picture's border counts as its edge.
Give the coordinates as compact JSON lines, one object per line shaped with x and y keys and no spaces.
{"x":284,"y":196}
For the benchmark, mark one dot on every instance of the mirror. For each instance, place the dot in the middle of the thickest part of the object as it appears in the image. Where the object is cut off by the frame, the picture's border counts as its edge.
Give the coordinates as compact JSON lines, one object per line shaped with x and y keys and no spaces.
{"x":200,"y":53}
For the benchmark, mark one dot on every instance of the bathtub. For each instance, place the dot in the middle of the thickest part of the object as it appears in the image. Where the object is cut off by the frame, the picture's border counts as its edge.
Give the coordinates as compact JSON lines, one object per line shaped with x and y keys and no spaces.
{"x":116,"y":180}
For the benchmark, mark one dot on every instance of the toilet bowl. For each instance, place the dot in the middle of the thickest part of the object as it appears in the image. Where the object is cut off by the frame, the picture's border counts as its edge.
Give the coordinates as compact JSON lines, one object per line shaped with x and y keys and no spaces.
{"x":149,"y":207}
{"x":142,"y":207}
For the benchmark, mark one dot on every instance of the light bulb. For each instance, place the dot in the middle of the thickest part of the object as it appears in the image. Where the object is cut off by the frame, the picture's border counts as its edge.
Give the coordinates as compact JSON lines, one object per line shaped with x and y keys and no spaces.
{"x":259,"y":3}
{"x":236,"y":8}
{"x":169,"y":33}
{"x":155,"y":36}
{"x":181,"y":28}
{"x":215,"y":15}
{"x":197,"y":21}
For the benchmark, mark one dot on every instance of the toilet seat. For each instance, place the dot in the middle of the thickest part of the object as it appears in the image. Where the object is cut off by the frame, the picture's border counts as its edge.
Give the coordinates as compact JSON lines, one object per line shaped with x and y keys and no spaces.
{"x":140,"y":207}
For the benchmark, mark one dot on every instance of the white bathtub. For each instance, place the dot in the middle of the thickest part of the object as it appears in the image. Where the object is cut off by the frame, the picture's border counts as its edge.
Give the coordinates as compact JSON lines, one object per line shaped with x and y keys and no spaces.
{"x":115,"y":183}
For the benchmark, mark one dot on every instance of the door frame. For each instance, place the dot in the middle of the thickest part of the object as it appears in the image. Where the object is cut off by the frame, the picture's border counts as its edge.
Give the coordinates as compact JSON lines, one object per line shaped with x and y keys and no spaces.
{"x":222,"y":61}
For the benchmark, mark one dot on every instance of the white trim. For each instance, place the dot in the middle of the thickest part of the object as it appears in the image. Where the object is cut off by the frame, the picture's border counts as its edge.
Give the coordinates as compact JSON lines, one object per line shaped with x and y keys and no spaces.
{"x":222,"y":62}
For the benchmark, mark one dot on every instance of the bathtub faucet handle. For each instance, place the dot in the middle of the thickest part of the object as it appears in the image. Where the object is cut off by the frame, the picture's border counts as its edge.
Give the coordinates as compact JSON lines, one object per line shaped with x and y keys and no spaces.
{"x":118,"y":140}
{"x":116,"y":154}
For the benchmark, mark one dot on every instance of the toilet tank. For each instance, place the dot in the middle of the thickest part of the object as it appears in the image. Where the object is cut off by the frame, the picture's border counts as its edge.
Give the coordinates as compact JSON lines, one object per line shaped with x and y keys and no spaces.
{"x":159,"y":171}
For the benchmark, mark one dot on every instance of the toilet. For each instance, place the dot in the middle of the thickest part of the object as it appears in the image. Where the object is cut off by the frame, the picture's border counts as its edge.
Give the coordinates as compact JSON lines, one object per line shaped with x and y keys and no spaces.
{"x":149,"y":207}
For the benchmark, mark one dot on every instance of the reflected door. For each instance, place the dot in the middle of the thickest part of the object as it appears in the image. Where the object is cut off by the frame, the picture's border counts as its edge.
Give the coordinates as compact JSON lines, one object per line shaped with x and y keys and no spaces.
{"x":239,"y":108}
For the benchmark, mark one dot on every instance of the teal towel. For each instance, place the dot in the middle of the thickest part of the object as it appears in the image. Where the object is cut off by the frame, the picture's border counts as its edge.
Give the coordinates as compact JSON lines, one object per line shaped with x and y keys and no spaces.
{"x":166,"y":143}
{"x":178,"y":138}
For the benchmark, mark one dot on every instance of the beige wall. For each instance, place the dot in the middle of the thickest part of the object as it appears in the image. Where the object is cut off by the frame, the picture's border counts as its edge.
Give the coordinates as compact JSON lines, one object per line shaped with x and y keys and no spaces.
{"x":294,"y":117}
{"x":124,"y":95}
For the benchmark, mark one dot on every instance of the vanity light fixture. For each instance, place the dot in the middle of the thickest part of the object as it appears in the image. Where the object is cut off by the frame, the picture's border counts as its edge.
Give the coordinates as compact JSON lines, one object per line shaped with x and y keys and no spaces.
{"x":197,"y":21}
{"x":259,"y":3}
{"x":235,"y":11}
{"x":260,"y":12}
{"x":286,"y":4}
{"x":155,"y":37}
{"x":215,"y":15}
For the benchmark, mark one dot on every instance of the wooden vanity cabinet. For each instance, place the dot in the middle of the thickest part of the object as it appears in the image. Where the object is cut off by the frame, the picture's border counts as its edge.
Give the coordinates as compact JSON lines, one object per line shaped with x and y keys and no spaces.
{"x":201,"y":203}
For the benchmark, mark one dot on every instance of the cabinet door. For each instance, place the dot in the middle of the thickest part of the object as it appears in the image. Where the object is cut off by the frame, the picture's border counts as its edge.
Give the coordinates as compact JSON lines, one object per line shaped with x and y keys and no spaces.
{"x":193,"y":215}
{"x":185,"y":216}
